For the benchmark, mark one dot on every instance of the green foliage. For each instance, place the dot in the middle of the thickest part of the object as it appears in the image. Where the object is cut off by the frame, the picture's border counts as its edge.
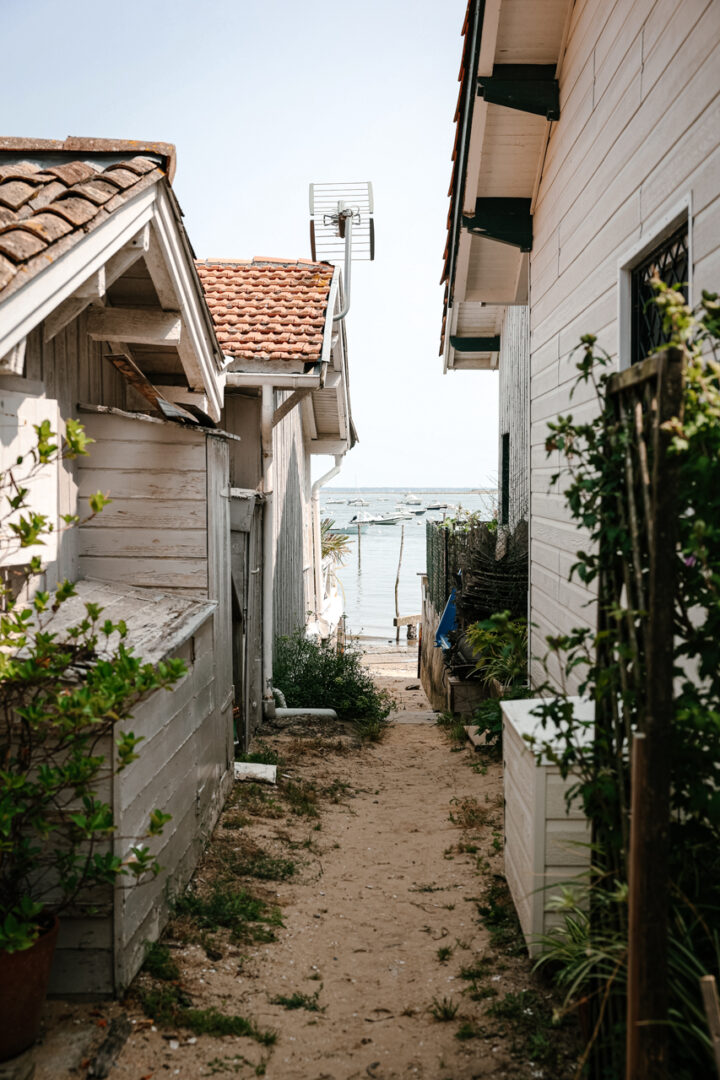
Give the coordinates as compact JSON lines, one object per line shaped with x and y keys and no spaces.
{"x":500,"y":645}
{"x":65,"y":696}
{"x":444,"y":1009}
{"x":159,"y":962}
{"x":335,"y":547}
{"x":609,"y":666}
{"x":299,"y":1001}
{"x":226,"y":906}
{"x":170,"y":1006}
{"x":261,"y":755}
{"x":314,"y":674}
{"x":532,"y":1023}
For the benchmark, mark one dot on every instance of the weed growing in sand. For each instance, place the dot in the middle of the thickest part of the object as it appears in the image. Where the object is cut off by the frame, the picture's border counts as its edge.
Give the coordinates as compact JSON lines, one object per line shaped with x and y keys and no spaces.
{"x":480,"y":993}
{"x":468,"y":813}
{"x":444,"y":953}
{"x":532,"y":1023}
{"x":159,"y":963}
{"x":452,"y":726}
{"x":497,"y":912}
{"x":428,"y":887}
{"x":246,"y":916}
{"x":169,"y":1006}
{"x":302,"y":797}
{"x":262,"y":754}
{"x":299,"y":1001}
{"x":444,"y":1010}
{"x":259,"y":803}
{"x":260,"y":865}
{"x":468,"y":1030}
{"x":479,"y":969}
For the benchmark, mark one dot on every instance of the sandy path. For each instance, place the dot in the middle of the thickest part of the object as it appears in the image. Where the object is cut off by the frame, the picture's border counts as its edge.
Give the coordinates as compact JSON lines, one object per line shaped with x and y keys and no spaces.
{"x":381,"y":890}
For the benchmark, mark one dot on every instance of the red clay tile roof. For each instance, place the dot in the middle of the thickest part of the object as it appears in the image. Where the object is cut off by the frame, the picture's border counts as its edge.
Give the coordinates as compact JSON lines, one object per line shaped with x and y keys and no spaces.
{"x":46,"y":209}
{"x":268,"y":309}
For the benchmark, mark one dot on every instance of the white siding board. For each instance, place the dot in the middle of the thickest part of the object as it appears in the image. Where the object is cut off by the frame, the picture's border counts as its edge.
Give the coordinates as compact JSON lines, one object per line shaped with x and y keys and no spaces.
{"x":179,"y":543}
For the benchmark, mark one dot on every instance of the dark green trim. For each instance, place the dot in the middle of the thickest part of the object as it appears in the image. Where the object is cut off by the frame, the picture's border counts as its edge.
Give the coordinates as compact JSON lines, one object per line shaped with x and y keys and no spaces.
{"x":530,"y":88}
{"x":508,"y":221}
{"x":475,"y":344}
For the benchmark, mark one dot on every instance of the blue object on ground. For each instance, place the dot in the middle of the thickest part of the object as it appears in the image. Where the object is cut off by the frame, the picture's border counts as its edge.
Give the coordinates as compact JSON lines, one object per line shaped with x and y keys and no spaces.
{"x":448,"y":622}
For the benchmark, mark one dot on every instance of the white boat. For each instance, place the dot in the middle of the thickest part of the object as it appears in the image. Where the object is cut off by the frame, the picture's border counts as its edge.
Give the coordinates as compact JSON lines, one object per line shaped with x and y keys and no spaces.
{"x":357,"y":502}
{"x":437,"y":506}
{"x":336,"y":502}
{"x":411,"y":500}
{"x":390,"y":519}
{"x":361,"y":518}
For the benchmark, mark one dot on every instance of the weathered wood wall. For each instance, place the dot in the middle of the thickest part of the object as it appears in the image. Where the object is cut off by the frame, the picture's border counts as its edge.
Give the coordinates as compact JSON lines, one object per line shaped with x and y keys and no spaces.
{"x":514,"y":368}
{"x":637,"y":133}
{"x":154,"y":533}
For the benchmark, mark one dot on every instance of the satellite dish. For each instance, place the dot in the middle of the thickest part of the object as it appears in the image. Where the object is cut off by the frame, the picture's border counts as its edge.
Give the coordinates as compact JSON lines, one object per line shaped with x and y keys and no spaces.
{"x":342,"y":228}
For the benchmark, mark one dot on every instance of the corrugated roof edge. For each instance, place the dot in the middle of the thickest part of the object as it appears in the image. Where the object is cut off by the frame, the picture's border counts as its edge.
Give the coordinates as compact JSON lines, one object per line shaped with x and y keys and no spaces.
{"x":77,"y":144}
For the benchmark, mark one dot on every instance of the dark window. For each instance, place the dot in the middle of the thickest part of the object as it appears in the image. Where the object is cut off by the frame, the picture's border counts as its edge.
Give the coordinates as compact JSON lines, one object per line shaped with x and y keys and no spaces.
{"x":505,"y":479}
{"x":670,"y":262}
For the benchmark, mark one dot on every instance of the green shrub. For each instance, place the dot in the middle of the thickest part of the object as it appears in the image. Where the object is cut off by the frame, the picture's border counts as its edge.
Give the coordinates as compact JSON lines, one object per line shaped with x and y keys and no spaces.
{"x":500,"y":644}
{"x":313,"y":674}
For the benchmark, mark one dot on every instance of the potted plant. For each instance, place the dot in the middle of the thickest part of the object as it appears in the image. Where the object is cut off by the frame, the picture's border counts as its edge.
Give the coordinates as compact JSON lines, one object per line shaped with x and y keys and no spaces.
{"x":66,"y":688}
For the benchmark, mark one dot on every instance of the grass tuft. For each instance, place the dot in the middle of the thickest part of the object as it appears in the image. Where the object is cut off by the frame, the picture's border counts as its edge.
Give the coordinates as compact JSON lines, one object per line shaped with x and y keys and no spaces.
{"x":299,"y":1001}
{"x":169,"y":1006}
{"x":444,"y":1010}
{"x":235,"y":909}
{"x":159,"y":962}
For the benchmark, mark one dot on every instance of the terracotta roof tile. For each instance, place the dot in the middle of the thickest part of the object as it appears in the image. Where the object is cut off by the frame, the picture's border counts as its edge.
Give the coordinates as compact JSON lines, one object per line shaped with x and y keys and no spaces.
{"x":269,"y":308}
{"x":46,"y":209}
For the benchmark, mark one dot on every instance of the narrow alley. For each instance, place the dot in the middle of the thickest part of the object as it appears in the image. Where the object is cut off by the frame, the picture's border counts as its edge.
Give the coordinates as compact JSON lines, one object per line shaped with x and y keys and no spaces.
{"x":395,"y":951}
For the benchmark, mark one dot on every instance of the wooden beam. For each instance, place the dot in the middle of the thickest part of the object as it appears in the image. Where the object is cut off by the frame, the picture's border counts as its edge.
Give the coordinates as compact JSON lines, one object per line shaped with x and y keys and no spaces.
{"x":127,"y":256}
{"x":127,"y":367}
{"x":139,"y":326}
{"x":91,"y":291}
{"x":407,"y":620}
{"x":309,"y":417}
{"x":327,"y":446}
{"x":288,"y":405}
{"x":157,"y":268}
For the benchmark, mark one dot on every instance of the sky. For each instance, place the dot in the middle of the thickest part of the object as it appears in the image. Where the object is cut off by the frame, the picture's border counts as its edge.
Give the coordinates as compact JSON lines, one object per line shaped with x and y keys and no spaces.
{"x":261,"y":98}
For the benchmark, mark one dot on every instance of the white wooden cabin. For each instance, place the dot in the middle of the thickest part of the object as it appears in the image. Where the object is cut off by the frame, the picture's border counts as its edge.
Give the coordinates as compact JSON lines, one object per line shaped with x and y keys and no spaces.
{"x":587,"y":154}
{"x":588,"y":143}
{"x":103,"y":319}
{"x":287,"y":392}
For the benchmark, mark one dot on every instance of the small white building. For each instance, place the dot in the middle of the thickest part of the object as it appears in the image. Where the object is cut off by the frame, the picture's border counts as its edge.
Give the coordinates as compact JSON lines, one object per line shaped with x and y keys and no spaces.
{"x":587,"y":149}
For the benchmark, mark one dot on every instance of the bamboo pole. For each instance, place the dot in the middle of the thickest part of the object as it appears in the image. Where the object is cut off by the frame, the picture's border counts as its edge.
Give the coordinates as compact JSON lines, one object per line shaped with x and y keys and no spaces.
{"x":397,"y":581}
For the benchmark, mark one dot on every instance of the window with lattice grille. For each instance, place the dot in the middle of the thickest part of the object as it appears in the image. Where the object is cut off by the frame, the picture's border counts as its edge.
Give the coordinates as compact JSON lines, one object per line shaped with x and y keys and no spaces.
{"x":669,"y":260}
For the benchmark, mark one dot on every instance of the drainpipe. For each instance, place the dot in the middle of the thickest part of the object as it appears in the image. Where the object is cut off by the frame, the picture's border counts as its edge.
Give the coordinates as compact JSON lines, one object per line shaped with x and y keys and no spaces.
{"x":267,"y":408}
{"x":317,"y":542}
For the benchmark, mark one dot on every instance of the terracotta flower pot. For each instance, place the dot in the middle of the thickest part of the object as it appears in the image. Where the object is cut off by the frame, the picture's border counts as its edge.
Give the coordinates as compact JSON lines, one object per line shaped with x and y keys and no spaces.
{"x":23,"y":985}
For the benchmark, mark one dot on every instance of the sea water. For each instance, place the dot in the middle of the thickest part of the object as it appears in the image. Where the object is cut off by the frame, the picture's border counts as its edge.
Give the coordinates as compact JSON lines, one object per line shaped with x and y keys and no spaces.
{"x":367,"y":578}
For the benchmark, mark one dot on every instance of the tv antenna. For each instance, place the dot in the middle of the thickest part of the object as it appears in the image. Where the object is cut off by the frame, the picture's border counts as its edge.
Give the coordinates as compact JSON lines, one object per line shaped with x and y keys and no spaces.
{"x":342,"y":227}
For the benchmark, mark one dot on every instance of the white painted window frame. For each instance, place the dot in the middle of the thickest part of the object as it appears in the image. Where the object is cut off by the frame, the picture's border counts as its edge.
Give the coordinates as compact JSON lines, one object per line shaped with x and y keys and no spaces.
{"x":657,"y":231}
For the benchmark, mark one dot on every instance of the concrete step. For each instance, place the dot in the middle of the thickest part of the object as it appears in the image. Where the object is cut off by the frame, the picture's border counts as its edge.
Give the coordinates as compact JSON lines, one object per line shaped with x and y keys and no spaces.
{"x":413,"y":716}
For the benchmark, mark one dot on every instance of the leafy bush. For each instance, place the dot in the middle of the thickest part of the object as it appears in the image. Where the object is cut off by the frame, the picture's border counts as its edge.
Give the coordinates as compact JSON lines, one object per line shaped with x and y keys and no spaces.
{"x":500,"y":644}
{"x":65,"y":694}
{"x":314,"y":674}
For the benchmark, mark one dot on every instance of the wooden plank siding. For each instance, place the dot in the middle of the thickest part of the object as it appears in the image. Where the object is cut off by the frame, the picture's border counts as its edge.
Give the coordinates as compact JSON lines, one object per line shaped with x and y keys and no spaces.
{"x":514,"y":408}
{"x":293,"y":579}
{"x":639,"y":94}
{"x":142,"y":465}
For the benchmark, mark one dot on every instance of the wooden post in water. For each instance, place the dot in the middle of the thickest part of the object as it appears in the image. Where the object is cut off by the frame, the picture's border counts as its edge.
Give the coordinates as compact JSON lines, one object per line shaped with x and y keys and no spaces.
{"x":397,"y":581}
{"x":359,"y":558}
